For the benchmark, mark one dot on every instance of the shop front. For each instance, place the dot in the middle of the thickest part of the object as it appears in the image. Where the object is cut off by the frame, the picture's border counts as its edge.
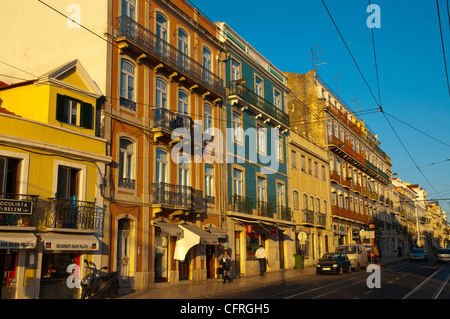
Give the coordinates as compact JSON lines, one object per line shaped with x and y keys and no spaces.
{"x":63,"y":262}
{"x":17,"y":254}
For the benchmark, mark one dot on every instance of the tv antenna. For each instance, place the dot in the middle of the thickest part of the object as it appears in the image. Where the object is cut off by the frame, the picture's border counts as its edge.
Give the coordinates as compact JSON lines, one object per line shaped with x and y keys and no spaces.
{"x":315,"y":57}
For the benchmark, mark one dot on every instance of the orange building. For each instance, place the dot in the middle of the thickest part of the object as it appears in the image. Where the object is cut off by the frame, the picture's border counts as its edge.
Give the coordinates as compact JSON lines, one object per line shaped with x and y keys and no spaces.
{"x":164,"y":79}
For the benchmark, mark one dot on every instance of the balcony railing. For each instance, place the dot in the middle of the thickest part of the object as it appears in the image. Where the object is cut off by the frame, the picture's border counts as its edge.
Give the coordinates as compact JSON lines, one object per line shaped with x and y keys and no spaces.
{"x":308,"y":216}
{"x":242,"y":204}
{"x":127,"y":183}
{"x":169,"y":120}
{"x":152,"y":43}
{"x":284,"y":213}
{"x":321,"y":219}
{"x":257,"y":101}
{"x":71,"y":214}
{"x":178,"y":196}
{"x":265,"y":209}
{"x":10,"y":218}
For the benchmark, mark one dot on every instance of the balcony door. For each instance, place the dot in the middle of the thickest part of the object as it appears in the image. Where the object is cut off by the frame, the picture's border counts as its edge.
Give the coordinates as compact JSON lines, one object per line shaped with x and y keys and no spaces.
{"x":161,"y":33}
{"x":183,"y":48}
{"x":67,"y":187}
{"x":184,"y":191}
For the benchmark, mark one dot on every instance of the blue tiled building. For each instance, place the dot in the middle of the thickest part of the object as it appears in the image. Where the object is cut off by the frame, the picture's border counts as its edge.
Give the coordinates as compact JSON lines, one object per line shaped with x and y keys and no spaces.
{"x":257,"y":122}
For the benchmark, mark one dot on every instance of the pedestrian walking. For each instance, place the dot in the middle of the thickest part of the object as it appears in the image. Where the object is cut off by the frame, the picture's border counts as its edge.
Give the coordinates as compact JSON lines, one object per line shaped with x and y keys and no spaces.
{"x":261,"y":255}
{"x":225,"y":262}
{"x":376,"y":253}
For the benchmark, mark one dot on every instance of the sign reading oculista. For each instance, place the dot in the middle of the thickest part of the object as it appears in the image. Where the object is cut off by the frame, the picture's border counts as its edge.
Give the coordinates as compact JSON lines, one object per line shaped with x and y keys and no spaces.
{"x":11,"y":206}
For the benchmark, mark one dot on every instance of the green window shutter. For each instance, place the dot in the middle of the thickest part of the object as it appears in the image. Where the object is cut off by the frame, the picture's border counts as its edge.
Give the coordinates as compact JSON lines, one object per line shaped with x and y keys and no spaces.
{"x":61,"y":109}
{"x":86,"y":115}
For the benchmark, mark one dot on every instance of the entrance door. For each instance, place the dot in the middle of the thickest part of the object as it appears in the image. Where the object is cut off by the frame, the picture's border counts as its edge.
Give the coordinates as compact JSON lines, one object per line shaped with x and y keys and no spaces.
{"x":210,"y":260}
{"x":183,"y":267}
{"x":281,"y":248}
{"x":8,"y":262}
{"x":123,"y":252}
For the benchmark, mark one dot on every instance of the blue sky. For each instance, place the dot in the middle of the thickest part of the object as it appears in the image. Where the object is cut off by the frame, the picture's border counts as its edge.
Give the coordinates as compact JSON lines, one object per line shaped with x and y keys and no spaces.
{"x":412,"y":77}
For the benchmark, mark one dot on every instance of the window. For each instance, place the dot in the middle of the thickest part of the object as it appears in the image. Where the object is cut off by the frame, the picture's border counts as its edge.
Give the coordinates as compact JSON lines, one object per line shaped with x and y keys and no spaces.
{"x":277,"y":99}
{"x":261,"y":145}
{"x":183,"y":46}
{"x":305,"y":202}
{"x":280,"y":195}
{"x":183,"y":106}
{"x":279,"y":148}
{"x":161,"y":166}
{"x":237,"y":127}
{"x":323,"y":173}
{"x":261,"y":189}
{"x":161,"y":33}
{"x":259,"y":86}
{"x":238,"y":182}
{"x":127,"y":76}
{"x":9,"y":174}
{"x":303,"y":163}
{"x":67,"y":183}
{"x":161,"y":93}
{"x":318,"y":205}
{"x":74,"y":112}
{"x":235,"y":70}
{"x":209,"y":180}
{"x":183,"y":171}
{"x":295,"y":199}
{"x":129,"y":8}
{"x":126,"y":163}
{"x":294,"y":159}
{"x":207,"y":117}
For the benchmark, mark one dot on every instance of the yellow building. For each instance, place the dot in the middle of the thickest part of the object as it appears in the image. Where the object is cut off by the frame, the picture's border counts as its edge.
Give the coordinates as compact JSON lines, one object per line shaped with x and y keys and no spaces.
{"x":51,"y":162}
{"x":309,"y":193}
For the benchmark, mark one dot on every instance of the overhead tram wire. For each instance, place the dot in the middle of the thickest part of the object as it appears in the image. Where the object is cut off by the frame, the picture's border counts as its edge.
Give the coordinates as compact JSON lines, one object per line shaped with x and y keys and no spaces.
{"x":378,"y":102}
{"x":442,"y":41}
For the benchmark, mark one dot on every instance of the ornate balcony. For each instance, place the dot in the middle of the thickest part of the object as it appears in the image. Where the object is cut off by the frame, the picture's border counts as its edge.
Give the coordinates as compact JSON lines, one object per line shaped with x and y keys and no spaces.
{"x":308,"y":217}
{"x":284,"y":213}
{"x":177,"y":197}
{"x":242,"y":204}
{"x":71,"y":214}
{"x":244,"y":97}
{"x":133,"y":36}
{"x":265,"y":209}
{"x":166,"y":121}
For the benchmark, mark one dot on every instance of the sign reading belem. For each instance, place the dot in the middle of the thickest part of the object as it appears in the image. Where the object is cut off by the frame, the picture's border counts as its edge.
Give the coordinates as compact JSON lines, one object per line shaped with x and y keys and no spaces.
{"x":11,"y":206}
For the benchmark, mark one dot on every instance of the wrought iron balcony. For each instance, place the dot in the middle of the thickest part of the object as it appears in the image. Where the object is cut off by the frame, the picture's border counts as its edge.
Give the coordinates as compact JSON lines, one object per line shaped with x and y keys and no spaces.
{"x":257,"y":104}
{"x":18,"y":210}
{"x":162,"y":51}
{"x":127,"y":183}
{"x":170,"y":121}
{"x":321,"y":220}
{"x":308,"y":217}
{"x":265,"y":209}
{"x":284,"y":213}
{"x":242,"y":204}
{"x":177,"y":196}
{"x":71,"y":214}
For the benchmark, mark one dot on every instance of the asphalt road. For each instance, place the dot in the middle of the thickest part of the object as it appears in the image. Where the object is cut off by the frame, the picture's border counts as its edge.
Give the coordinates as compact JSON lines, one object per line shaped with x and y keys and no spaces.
{"x":404,"y":280}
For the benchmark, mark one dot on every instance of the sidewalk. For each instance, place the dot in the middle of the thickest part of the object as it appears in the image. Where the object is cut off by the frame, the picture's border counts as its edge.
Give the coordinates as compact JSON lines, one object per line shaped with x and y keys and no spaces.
{"x":212,"y":287}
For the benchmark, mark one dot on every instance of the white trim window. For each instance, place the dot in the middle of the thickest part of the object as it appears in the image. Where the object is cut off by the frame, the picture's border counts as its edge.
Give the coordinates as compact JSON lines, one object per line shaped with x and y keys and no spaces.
{"x":161,"y":93}
{"x":235,"y":70}
{"x":161,"y":166}
{"x":277,"y":99}
{"x":237,"y":127}
{"x":238,"y":182}
{"x":207,"y":117}
{"x":262,"y":139}
{"x":126,"y":163}
{"x":127,"y":85}
{"x":209,"y":180}
{"x":128,"y":8}
{"x":183,"y":102}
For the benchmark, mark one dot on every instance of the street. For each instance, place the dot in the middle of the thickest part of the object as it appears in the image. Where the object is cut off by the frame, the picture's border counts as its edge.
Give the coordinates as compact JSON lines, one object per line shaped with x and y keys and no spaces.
{"x":403,"y":280}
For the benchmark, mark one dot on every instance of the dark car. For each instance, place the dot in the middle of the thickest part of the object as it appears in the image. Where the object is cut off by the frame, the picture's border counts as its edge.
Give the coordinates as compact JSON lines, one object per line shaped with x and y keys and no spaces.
{"x":334,"y":263}
{"x":443,"y":255}
{"x":418,"y":254}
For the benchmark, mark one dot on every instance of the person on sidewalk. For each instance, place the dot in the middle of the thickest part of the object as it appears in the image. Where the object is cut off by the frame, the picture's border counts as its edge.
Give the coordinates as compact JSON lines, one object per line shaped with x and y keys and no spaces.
{"x":261,"y":255}
{"x":376,"y":254}
{"x":225,"y":262}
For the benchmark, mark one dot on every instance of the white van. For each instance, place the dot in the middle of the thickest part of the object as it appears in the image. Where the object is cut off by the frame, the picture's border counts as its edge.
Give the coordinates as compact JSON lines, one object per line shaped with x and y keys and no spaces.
{"x":356,"y":253}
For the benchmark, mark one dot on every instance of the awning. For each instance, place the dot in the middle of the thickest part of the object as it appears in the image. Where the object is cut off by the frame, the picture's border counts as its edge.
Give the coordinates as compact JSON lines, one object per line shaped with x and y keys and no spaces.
{"x":220,"y":233}
{"x":9,"y":240}
{"x":168,"y":229}
{"x":69,"y":242}
{"x":192,"y":235}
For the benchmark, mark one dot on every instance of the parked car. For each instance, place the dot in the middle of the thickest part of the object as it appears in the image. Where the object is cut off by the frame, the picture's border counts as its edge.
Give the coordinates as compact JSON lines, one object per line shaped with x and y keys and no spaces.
{"x":443,"y":255}
{"x":356,"y":253}
{"x":334,"y":263}
{"x":418,"y":254}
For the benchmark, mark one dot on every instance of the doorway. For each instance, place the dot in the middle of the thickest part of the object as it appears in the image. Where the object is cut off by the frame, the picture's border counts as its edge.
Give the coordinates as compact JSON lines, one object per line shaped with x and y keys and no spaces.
{"x":281,"y":247}
{"x":124,"y":252}
{"x":210,"y":261}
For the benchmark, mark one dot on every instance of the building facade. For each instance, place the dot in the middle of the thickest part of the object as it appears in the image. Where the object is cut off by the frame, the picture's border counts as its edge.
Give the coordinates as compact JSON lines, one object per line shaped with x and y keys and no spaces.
{"x":359,"y":170}
{"x":257,"y":211}
{"x":51,"y":161}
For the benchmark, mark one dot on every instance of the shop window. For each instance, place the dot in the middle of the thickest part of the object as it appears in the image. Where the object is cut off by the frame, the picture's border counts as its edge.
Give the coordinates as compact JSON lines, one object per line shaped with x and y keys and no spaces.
{"x":54,"y":275}
{"x":254,"y":240}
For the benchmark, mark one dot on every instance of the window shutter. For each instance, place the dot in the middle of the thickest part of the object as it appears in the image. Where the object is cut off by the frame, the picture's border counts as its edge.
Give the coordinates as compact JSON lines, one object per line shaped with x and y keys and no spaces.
{"x":86,"y":115}
{"x":61,"y":110}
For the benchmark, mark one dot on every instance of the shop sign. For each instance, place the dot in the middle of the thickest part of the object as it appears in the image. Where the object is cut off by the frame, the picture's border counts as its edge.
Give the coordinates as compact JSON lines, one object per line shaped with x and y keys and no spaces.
{"x":70,"y":246}
{"x":11,"y":206}
{"x":249,"y":229}
{"x":17,"y":244}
